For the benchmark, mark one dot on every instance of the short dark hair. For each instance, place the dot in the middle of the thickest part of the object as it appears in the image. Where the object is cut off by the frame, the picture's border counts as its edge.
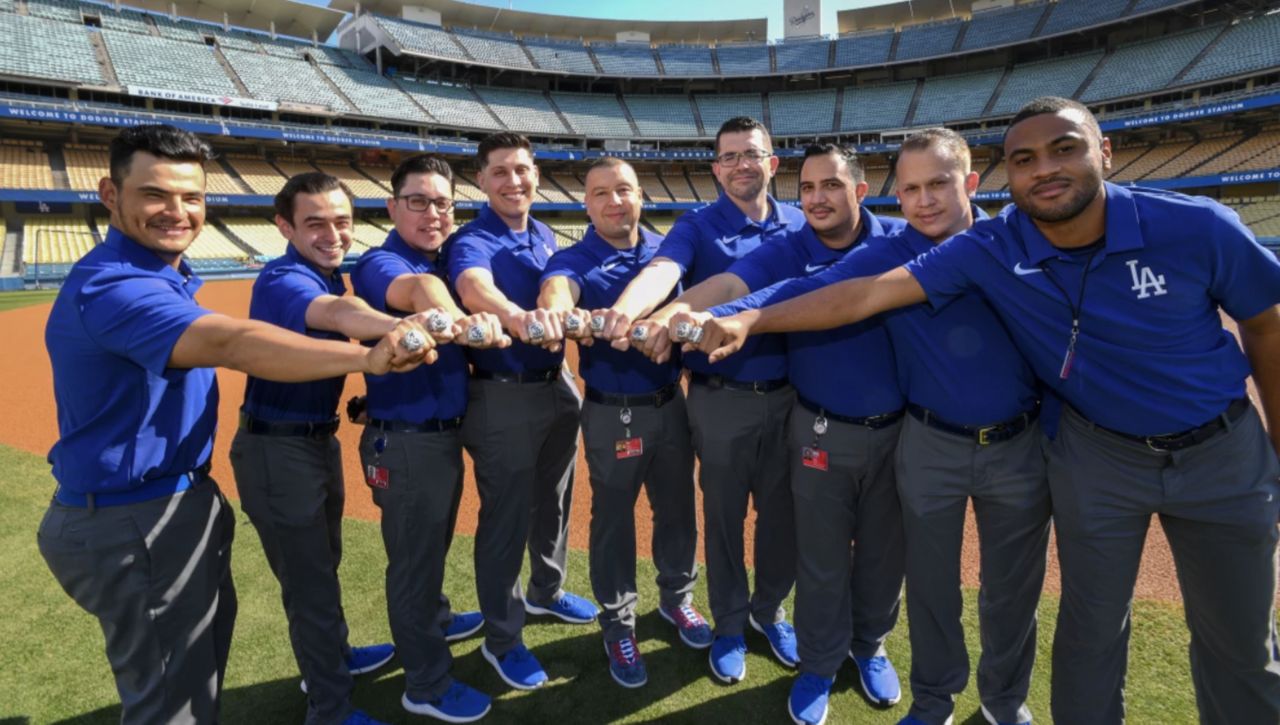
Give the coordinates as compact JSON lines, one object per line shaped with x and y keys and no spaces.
{"x":501,"y":140}
{"x":311,"y":182}
{"x":605,"y":162}
{"x":942,"y":138}
{"x":840,"y":151}
{"x":742,"y":124}
{"x":420,"y":164}
{"x":1053,"y":105}
{"x":160,"y":140}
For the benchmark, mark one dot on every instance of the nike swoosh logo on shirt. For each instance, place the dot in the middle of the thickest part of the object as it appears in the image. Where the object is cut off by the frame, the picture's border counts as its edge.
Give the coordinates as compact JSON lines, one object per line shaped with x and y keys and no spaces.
{"x":609,"y":266}
{"x":811,"y":268}
{"x":1021,"y":271}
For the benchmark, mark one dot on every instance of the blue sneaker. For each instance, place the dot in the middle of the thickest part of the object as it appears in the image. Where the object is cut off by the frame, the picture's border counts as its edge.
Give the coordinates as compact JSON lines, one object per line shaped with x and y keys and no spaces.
{"x":361,"y":660}
{"x":1024,"y":717}
{"x":463,"y":625}
{"x":879,"y":679}
{"x":729,"y":658}
{"x":459,"y":704}
{"x":569,"y":607}
{"x":782,"y":640}
{"x":693,"y":629}
{"x":360,"y":717}
{"x":913,"y":720}
{"x":625,"y":665}
{"x":518,"y":667}
{"x":808,"y":702}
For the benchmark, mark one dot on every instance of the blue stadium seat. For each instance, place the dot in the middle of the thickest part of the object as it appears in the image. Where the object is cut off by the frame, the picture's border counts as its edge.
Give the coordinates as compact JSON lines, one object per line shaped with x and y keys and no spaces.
{"x":40,"y":48}
{"x":1160,"y":60}
{"x":1249,"y":46}
{"x":717,"y":108}
{"x":451,"y":105}
{"x":186,"y":67}
{"x":1058,"y":77}
{"x":955,"y":98}
{"x":858,"y":49}
{"x":663,"y":116}
{"x":1003,"y":25}
{"x":686,"y":60}
{"x":870,"y":108}
{"x":561,"y":55}
{"x":927,"y":40}
{"x":594,"y":114}
{"x":1068,"y":15}
{"x":526,"y":111}
{"x":802,"y":55}
{"x":625,"y":59}
{"x":280,"y":79}
{"x":374,"y":95}
{"x":801,"y":112}
{"x":743,"y":60}
{"x":423,"y":39}
{"x":493,"y":48}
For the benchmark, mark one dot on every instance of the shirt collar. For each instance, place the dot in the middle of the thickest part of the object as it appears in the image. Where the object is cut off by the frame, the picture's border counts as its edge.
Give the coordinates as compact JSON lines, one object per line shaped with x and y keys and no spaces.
{"x":603,"y":250}
{"x":146,"y":259}
{"x":1123,"y":234}
{"x":332,"y":280}
{"x":737,"y":221}
{"x":396,"y":243}
{"x":920,"y":244}
{"x":492,"y":223}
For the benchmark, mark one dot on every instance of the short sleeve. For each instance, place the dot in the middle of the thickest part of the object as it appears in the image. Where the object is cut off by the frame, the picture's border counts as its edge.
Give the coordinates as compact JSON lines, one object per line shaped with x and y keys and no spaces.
{"x":766,"y":264}
{"x":137,"y":318}
{"x":680,"y":244}
{"x":1246,"y":276}
{"x":564,"y":263}
{"x":861,"y":262}
{"x":467,"y":252}
{"x":374,"y":274}
{"x":942,"y":271}
{"x":288,"y":293}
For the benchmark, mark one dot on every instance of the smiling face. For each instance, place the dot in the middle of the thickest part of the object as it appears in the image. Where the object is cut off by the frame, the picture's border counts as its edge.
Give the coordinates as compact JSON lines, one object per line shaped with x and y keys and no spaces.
{"x":613,"y":200}
{"x":747,"y":180}
{"x":320,"y":229}
{"x":509,"y":178}
{"x":158,"y":203}
{"x":933,"y":188}
{"x":425,"y":231}
{"x":1056,"y":163}
{"x":830,"y":196}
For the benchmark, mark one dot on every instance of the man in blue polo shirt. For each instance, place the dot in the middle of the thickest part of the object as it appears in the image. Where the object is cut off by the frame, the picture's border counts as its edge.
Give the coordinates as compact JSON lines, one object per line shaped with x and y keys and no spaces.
{"x":1113,"y":297}
{"x":972,"y":432}
{"x":137,"y":532}
{"x":522,"y":420}
{"x":842,"y":434}
{"x":736,"y":411}
{"x":411,"y":448}
{"x":634,"y":427}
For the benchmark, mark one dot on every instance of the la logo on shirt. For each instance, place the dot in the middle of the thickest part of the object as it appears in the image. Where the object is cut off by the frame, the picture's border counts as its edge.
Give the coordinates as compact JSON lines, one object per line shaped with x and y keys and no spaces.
{"x":1145,"y":282}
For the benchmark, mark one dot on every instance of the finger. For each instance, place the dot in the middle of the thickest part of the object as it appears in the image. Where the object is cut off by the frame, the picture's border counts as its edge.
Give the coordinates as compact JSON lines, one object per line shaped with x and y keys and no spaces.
{"x":621,"y":344}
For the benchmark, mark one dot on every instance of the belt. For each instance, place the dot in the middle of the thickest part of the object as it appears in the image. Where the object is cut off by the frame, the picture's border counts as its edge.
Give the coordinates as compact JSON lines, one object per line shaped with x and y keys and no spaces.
{"x":983,"y":435}
{"x":434,"y":425}
{"x":655,"y":399}
{"x":298,"y":429}
{"x":528,"y":376}
{"x":720,"y":381}
{"x":874,"y":422}
{"x":1188,"y":438}
{"x":153,"y":489}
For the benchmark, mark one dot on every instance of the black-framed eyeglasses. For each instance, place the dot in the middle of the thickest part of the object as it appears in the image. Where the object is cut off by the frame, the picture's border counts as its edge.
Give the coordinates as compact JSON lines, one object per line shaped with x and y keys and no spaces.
{"x":733,"y":158}
{"x":420,"y":202}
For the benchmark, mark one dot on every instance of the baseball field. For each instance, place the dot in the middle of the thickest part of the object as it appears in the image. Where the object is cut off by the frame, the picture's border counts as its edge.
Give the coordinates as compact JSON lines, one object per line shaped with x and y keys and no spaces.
{"x":55,"y":670}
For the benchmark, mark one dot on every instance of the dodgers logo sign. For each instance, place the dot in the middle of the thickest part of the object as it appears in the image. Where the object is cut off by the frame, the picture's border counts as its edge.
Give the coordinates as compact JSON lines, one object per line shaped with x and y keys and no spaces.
{"x":1145,"y":282}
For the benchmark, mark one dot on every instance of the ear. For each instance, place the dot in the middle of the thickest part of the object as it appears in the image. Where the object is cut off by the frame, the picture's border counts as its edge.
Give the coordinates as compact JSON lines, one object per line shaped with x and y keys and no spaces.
{"x":286,"y":229}
{"x":774,"y":161}
{"x":971,"y":183}
{"x":108,"y":194}
{"x":1106,"y":153}
{"x":391,"y":206}
{"x":860,"y":191}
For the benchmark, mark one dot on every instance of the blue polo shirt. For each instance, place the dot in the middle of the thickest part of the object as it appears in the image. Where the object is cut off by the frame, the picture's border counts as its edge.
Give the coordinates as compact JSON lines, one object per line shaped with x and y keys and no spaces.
{"x":601,"y":272}
{"x":284,"y":290}
{"x":1152,"y":356}
{"x":516,"y":261}
{"x":706,"y":242}
{"x":849,"y":370}
{"x":802,"y":254}
{"x":958,"y":362}
{"x":125,"y":418}
{"x":427,"y":392}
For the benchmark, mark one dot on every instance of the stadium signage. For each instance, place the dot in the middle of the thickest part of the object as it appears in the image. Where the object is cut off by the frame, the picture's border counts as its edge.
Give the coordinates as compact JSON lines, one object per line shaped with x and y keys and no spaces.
{"x":206,"y":98}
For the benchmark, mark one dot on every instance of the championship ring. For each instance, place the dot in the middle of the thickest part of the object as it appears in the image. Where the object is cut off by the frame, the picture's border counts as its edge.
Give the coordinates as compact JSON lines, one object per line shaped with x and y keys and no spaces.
{"x":639,"y":334}
{"x":684,"y":331}
{"x":413,"y":341}
{"x":438,"y":322}
{"x":536,"y":332}
{"x":695,"y":335}
{"x":475,"y":334}
{"x":572,"y":323}
{"x":597,"y":323}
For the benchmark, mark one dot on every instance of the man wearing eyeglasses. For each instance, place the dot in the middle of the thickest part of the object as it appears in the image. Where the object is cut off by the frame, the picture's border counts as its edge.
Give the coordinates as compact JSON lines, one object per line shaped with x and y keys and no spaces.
{"x":411,"y":449}
{"x":522,"y":422}
{"x":737,"y":412}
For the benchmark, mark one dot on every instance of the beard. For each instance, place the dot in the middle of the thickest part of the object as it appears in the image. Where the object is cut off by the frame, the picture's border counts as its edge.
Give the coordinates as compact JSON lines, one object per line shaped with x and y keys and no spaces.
{"x":1080,"y":195}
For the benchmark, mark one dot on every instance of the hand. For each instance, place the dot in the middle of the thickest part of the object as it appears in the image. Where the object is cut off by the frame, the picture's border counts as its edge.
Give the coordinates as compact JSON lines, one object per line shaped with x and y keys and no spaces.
{"x":490,"y":327}
{"x":617,"y":328}
{"x":389,"y":355}
{"x":582,"y":333}
{"x":442,"y":334}
{"x":656,"y":343}
{"x":722,"y":337}
{"x":548,"y":322}
{"x":693,"y":321}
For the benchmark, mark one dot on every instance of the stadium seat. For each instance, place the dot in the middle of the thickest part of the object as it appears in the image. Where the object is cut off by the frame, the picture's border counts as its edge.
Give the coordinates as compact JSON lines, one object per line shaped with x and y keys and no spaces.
{"x":273,"y":78}
{"x":686,"y":60}
{"x":594,"y":114}
{"x":926,"y":40}
{"x":679,"y":187}
{"x":706,"y":186}
{"x":663,"y":116}
{"x":1160,"y":60}
{"x":260,"y":176}
{"x":1058,"y":77}
{"x":24,"y":166}
{"x":55,"y":240}
{"x":39,"y":48}
{"x":716,"y":108}
{"x":498,"y":49}
{"x":955,"y":98}
{"x":748,"y":59}
{"x":260,"y":234}
{"x":802,"y":55}
{"x":451,"y":105}
{"x":869,"y":108}
{"x":1068,"y":15}
{"x":801,"y":112}
{"x":526,"y":111}
{"x":186,"y":66}
{"x":625,"y":59}
{"x":1248,"y":46}
{"x":865,"y":48}
{"x":561,"y":55}
{"x":1002,"y":26}
{"x":374,"y":95}
{"x":423,"y":39}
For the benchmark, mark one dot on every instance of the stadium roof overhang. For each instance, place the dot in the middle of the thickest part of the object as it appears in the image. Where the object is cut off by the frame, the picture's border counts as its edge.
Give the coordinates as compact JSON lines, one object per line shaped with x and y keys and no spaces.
{"x":290,"y":18}
{"x":466,"y":15}
{"x":894,"y":14}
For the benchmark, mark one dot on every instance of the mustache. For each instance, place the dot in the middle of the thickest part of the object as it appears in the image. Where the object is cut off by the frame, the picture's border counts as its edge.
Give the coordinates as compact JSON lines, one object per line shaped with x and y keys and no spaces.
{"x":1055,"y":180}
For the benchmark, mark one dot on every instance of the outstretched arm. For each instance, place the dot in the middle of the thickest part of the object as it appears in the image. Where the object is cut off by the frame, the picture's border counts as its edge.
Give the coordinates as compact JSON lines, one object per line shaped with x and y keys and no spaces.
{"x":1260,"y":337}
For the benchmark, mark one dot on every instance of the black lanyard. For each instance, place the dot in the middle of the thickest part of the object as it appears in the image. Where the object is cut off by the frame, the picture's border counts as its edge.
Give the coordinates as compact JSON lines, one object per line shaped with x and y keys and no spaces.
{"x":1076,"y":307}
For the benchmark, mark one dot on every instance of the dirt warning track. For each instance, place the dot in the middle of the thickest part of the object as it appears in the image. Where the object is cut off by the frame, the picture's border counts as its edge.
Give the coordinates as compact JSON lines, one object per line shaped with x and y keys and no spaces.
{"x":30,"y":423}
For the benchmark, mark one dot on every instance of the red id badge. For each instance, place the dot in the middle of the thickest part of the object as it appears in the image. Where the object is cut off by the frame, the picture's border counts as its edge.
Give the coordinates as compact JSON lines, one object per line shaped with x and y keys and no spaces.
{"x":377,"y":476}
{"x":628,"y":448}
{"x":814,"y":458}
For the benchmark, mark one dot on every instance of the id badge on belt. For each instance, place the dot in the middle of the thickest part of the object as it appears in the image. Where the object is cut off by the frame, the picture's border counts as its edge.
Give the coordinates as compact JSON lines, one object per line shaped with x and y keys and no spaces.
{"x":377,"y":476}
{"x":812,"y":456}
{"x":627,"y":447}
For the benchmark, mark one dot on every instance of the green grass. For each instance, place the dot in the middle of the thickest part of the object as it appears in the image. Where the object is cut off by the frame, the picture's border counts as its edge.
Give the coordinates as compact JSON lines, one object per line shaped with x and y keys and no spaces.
{"x":55,"y":670}
{"x":24,"y":298}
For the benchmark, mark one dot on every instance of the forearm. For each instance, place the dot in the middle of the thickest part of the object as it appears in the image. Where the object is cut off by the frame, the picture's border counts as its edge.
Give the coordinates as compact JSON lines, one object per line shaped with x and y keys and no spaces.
{"x":421,"y":292}
{"x":643,"y":295}
{"x":363,"y":323}
{"x":557,"y":295}
{"x":479,"y":296}
{"x":264,"y":351}
{"x":842,"y":303}
{"x":1262,"y":346}
{"x":715,"y":290}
